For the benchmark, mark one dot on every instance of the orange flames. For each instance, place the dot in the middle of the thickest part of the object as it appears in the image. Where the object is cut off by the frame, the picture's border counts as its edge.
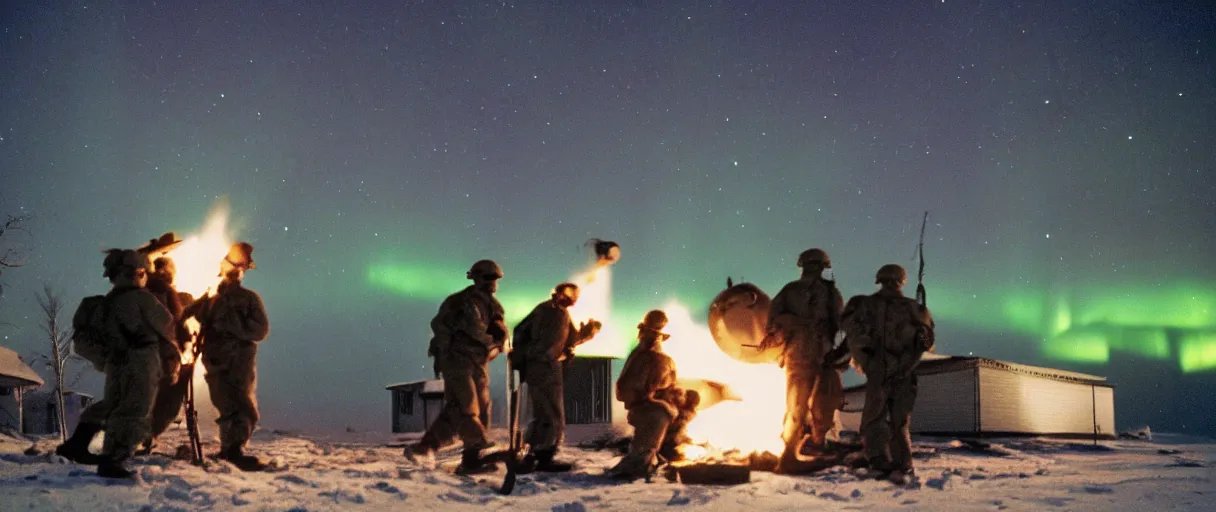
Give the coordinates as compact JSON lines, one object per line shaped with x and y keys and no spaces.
{"x":752,"y":424}
{"x":595,"y":302}
{"x":198,"y":266}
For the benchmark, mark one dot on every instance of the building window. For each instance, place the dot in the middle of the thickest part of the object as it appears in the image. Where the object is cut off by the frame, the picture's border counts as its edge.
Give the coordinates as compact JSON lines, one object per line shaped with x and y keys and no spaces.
{"x":405,"y":400}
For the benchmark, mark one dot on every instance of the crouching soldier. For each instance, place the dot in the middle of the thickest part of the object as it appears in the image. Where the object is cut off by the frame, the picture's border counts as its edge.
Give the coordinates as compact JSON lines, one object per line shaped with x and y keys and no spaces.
{"x":647,"y":387}
{"x":543,"y":340}
{"x":887,"y":334}
{"x":469,"y":332}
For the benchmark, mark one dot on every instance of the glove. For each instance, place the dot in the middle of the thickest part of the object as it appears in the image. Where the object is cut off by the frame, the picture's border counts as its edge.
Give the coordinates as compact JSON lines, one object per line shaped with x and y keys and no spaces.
{"x":589,"y":329}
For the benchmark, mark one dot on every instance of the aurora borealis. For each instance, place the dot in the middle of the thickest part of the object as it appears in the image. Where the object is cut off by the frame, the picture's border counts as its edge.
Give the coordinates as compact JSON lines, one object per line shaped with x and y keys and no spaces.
{"x":371,"y":154}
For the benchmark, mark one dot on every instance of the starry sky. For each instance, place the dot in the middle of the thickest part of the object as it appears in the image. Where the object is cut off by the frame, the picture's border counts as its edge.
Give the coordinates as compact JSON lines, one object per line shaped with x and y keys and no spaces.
{"x":1064,"y":150}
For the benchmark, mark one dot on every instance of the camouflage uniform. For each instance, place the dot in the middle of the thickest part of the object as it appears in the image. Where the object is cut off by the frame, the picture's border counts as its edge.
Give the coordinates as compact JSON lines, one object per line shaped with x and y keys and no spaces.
{"x":647,"y":387}
{"x":886,"y":334}
{"x":805,"y":314}
{"x":173,"y":382}
{"x":232,"y":321}
{"x":469,"y":331}
{"x":143,"y":324}
{"x":543,"y":340}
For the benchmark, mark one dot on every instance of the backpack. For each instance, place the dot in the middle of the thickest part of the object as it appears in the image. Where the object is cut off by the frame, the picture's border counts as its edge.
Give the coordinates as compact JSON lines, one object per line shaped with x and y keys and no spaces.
{"x":90,"y":340}
{"x":88,"y":331}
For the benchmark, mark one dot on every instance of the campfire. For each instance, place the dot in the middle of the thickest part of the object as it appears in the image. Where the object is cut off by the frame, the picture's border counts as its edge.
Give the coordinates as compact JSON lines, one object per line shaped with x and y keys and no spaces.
{"x":743,"y":404}
{"x":742,"y":411}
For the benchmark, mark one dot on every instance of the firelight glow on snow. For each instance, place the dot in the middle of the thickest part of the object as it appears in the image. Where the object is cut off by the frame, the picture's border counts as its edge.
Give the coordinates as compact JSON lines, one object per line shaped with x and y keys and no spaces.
{"x":372,"y":154}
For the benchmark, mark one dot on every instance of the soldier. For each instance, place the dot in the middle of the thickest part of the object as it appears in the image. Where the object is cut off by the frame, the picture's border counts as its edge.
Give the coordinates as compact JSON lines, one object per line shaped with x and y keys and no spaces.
{"x":232,"y":323}
{"x":543,"y":340}
{"x":647,"y":386}
{"x":804,"y":317}
{"x":469,"y":332}
{"x":887,"y":333}
{"x":173,"y":384}
{"x":172,"y":387}
{"x":135,"y":325}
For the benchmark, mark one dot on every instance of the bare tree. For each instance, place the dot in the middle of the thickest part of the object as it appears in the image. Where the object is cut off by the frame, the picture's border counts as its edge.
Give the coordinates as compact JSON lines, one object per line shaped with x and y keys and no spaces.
{"x":11,"y":257}
{"x":61,"y":348}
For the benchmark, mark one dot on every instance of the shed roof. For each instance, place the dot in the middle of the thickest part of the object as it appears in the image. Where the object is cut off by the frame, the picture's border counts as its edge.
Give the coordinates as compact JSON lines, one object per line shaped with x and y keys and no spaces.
{"x":935,"y":363}
{"x":14,"y":372}
{"x":428,"y":386}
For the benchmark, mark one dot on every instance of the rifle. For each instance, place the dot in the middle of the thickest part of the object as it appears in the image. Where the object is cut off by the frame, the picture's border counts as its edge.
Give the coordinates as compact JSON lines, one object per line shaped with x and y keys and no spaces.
{"x":516,"y":452}
{"x":196,"y":441}
{"x":920,"y":273}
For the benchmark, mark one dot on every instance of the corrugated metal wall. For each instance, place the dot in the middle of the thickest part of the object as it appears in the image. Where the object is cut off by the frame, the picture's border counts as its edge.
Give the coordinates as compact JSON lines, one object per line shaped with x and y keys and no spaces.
{"x":589,"y":391}
{"x":946,"y":402}
{"x":1105,"y":399}
{"x":1014,"y":402}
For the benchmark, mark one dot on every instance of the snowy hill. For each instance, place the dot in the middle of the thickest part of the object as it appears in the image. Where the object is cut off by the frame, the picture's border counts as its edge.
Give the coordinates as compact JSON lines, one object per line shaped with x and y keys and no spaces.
{"x":362,"y":472}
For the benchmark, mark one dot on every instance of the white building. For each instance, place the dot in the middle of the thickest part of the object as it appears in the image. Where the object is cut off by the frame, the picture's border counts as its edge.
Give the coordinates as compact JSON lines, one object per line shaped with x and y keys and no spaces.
{"x":16,"y":378}
{"x":42,"y":412}
{"x":591,"y":406}
{"x":974,"y":396}
{"x":415,"y":405}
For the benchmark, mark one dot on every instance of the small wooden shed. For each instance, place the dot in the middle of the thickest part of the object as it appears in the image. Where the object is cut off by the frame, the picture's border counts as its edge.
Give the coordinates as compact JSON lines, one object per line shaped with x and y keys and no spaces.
{"x":975,"y":396}
{"x":16,"y":379}
{"x":415,"y":405}
{"x":592,"y":409}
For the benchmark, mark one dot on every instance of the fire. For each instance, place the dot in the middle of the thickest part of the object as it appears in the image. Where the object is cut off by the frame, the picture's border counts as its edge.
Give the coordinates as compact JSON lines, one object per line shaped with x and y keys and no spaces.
{"x":595,"y":302}
{"x":198,"y":257}
{"x":198,"y":266}
{"x":752,"y":424}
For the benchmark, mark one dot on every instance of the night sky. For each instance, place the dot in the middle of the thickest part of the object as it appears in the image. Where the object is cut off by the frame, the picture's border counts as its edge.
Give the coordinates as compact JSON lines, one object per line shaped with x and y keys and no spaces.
{"x":372,"y":153}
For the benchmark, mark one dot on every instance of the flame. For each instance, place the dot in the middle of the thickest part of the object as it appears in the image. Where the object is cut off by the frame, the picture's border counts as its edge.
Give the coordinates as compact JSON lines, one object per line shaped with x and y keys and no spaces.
{"x":595,"y":302}
{"x":198,"y":257}
{"x":198,"y":266}
{"x":752,"y":424}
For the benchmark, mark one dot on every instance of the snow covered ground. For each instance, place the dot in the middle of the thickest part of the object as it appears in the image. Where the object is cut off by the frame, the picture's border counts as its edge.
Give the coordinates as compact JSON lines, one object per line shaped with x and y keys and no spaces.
{"x":360,"y":471}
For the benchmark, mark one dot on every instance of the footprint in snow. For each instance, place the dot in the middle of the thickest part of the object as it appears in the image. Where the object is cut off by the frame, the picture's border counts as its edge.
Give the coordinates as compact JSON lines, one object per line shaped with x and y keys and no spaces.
{"x":573,"y":506}
{"x":293,"y":479}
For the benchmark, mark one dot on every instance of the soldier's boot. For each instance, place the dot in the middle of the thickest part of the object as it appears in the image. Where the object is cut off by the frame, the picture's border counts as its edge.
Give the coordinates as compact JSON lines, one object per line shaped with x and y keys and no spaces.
{"x":146,"y":448}
{"x":76,"y":448}
{"x":243,"y":461}
{"x":110,"y":468}
{"x":788,"y":464}
{"x":545,"y":462}
{"x":472,"y":463}
{"x":421,"y":455}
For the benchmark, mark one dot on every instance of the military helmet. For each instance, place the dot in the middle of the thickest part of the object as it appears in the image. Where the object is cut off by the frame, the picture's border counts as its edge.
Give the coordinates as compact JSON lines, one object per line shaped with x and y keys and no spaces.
{"x":118,"y":260}
{"x":568,"y":289}
{"x":165,"y":264}
{"x":240,"y":255}
{"x":485,"y":268}
{"x":655,"y":320}
{"x":816,"y":256}
{"x":892,"y":273}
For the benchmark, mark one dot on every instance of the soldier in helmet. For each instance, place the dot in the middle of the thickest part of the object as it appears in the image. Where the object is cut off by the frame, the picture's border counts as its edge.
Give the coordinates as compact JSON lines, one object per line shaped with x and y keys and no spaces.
{"x":543,"y":340}
{"x":469,"y":332}
{"x":647,"y":386}
{"x":803,"y":317}
{"x":887,"y":333}
{"x":135,"y":325}
{"x":172,"y":386}
{"x":232,"y":323}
